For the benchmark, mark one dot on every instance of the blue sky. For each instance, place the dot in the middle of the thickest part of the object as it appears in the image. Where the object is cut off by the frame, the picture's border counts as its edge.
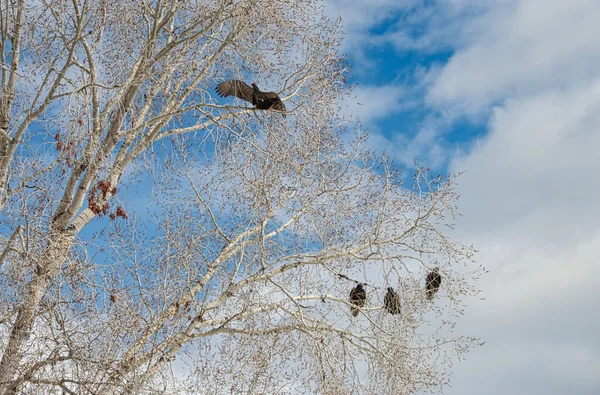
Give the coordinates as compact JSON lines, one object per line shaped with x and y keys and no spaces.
{"x":393,"y":82}
{"x":509,"y":92}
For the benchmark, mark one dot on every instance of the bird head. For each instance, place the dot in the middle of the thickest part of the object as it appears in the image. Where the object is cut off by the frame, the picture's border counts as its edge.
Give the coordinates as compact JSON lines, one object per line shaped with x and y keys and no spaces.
{"x":359,"y":286}
{"x":254,"y":85}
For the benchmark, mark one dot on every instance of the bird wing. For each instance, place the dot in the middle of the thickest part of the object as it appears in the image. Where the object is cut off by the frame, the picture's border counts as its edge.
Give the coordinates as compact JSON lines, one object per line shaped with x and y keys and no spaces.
{"x":391,"y":302}
{"x":279,"y":106}
{"x":388,"y":303}
{"x":429,"y":280}
{"x":434,"y":280}
{"x":353,"y":294}
{"x":271,"y":95}
{"x":358,"y":296}
{"x":235,"y":88}
{"x":396,"y":304}
{"x":432,"y":284}
{"x":277,"y":103}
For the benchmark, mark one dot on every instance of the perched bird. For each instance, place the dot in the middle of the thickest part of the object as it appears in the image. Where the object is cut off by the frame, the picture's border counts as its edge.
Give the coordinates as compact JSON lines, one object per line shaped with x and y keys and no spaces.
{"x":391,"y":301}
{"x":358,"y":297}
{"x":261,"y":100}
{"x":432,"y":283}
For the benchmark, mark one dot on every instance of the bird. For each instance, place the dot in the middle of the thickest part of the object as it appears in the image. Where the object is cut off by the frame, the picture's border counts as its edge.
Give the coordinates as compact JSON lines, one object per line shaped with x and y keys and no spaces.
{"x":432,"y":283}
{"x":358,"y":298}
{"x":391,"y":301}
{"x":261,"y":100}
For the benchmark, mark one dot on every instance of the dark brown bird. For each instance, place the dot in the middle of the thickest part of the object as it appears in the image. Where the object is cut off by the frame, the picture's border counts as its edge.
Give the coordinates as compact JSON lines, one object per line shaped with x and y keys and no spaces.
{"x":358,"y":297}
{"x":432,"y":283}
{"x":261,"y":100}
{"x":391,"y":301}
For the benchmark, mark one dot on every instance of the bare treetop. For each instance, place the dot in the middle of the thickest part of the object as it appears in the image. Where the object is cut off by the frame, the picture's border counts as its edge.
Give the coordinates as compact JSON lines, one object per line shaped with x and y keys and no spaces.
{"x":158,"y":239}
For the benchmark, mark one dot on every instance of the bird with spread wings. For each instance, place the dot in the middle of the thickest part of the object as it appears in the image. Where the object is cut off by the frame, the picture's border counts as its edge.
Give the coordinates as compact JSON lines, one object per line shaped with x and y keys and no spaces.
{"x":261,"y":100}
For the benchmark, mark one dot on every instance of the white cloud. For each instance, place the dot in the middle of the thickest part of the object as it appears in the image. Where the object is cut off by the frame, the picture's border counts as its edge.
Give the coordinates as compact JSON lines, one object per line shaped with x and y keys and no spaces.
{"x":514,"y":50}
{"x":425,"y":144}
{"x":530,"y":203}
{"x":370,"y":103}
{"x":540,"y":162}
{"x":358,"y":18}
{"x":359,"y":15}
{"x":538,"y":321}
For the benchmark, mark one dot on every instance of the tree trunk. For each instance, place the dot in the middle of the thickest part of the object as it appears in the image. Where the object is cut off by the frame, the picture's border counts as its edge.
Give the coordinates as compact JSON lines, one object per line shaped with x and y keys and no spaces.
{"x":59,"y":243}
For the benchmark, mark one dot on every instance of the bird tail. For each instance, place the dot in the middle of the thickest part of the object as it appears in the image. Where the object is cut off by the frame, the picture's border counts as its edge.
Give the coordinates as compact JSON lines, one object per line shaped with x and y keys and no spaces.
{"x":354,"y":311}
{"x":430,"y":293}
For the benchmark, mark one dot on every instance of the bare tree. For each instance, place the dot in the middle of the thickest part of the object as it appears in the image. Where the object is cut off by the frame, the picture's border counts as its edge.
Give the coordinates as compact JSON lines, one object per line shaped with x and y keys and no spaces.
{"x":158,"y":240}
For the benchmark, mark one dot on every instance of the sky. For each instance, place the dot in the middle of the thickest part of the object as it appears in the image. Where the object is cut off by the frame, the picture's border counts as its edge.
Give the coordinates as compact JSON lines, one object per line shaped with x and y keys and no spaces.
{"x":507,"y":92}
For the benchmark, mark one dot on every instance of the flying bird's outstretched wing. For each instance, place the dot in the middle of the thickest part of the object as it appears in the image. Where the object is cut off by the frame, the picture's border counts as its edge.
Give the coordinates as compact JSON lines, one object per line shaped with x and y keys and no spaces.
{"x":236,"y":88}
